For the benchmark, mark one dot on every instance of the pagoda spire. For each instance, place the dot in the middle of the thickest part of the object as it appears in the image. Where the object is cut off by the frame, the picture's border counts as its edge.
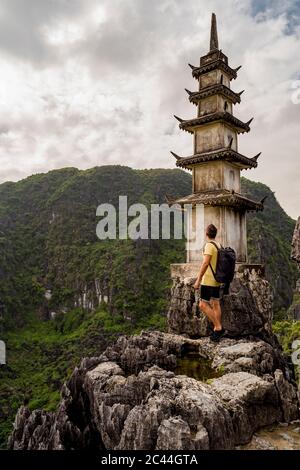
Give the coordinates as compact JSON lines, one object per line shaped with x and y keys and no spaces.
{"x":214,"y":43}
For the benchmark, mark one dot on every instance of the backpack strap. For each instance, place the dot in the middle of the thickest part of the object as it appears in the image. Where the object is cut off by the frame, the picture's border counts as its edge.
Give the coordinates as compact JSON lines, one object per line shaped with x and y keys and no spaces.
{"x":213,"y":243}
{"x":214,"y":274}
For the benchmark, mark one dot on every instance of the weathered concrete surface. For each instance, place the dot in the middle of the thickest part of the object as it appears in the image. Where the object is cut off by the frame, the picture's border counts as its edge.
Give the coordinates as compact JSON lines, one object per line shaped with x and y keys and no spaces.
{"x":246,"y":310}
{"x":130,"y":398}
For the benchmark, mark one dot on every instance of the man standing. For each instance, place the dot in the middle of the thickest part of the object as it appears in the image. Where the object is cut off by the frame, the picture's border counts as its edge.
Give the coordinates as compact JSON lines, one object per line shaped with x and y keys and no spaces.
{"x":209,"y":287}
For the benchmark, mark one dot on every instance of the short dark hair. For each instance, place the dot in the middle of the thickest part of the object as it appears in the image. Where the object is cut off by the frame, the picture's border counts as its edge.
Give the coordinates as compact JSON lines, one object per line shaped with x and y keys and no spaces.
{"x":211,"y":231}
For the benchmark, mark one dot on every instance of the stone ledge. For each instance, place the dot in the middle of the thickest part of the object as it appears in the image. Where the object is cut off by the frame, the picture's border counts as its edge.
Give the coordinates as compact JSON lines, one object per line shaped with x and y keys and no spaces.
{"x":184,"y":271}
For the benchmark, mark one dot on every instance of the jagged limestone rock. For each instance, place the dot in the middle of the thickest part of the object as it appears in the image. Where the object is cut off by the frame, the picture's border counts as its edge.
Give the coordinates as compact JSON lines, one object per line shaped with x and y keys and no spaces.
{"x":175,"y":434}
{"x":288,"y":396}
{"x":131,"y":398}
{"x":254,"y":356}
{"x":251,"y":401}
{"x":295,"y":311}
{"x":296,"y":244}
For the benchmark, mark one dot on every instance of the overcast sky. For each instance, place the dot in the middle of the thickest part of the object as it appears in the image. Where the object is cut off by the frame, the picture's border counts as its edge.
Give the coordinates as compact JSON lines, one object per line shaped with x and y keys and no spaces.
{"x":94,"y":82}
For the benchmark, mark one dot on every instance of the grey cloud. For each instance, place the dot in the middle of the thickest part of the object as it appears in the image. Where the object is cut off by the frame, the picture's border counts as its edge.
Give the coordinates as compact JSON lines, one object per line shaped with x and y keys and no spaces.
{"x":12,"y":174}
{"x":4,"y":129}
{"x":21,"y":23}
{"x":274,"y":8}
{"x":289,"y":113}
{"x":136,"y":63}
{"x":137,"y":35}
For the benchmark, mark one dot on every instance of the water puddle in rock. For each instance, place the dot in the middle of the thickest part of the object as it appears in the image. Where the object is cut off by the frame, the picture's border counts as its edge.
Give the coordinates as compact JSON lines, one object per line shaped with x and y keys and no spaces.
{"x":276,"y":437}
{"x":193,"y":365}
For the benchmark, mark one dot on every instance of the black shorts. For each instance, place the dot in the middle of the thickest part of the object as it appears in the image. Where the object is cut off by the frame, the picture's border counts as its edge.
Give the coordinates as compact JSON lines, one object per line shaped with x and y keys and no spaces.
{"x":209,"y":292}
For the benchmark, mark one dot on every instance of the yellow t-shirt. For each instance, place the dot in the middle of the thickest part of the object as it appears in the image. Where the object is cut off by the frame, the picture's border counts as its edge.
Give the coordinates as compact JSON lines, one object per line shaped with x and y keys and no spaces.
{"x":208,"y":278}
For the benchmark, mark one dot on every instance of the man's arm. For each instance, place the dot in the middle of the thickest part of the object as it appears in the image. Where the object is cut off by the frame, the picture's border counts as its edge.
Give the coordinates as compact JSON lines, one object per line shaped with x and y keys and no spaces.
{"x":203,"y":268}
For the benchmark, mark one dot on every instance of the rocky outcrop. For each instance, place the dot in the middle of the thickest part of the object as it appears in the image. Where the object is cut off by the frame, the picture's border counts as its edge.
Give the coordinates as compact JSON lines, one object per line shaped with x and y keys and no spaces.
{"x":295,"y":255}
{"x":133,"y":396}
{"x":246,"y":310}
{"x":294,"y":311}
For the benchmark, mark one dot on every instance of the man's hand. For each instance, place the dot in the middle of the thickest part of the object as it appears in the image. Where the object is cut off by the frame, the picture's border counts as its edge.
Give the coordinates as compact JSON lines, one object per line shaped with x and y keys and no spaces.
{"x":203,"y":268}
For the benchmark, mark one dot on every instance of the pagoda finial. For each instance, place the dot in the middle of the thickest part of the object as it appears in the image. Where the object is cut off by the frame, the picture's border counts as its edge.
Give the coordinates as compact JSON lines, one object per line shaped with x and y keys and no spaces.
{"x":214,"y":43}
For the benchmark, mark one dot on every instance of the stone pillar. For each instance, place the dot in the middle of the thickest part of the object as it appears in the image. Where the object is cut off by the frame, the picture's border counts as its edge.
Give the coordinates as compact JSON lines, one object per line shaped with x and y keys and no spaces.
{"x":231,"y":226}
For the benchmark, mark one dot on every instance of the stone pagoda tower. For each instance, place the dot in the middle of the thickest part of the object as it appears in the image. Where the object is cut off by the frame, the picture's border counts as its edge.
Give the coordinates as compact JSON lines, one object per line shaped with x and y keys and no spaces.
{"x":216,"y":163}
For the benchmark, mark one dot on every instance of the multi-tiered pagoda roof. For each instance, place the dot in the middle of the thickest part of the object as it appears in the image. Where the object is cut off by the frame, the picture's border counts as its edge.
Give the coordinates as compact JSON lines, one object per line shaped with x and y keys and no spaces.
{"x":215,"y":100}
{"x":226,"y":154}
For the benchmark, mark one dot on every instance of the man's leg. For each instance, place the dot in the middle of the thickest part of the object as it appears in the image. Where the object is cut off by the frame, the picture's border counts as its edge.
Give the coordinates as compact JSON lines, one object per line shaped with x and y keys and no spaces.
{"x":208,"y":311}
{"x":217,"y":314}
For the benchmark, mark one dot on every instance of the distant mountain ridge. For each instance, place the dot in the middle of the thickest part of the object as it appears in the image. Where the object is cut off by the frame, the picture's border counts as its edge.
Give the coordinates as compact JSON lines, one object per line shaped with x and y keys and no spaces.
{"x":48,"y":242}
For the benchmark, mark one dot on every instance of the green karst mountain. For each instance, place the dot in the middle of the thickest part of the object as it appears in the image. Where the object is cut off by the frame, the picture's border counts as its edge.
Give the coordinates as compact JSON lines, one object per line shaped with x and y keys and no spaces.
{"x":48,"y":241}
{"x":269,"y":242}
{"x":65,"y":294}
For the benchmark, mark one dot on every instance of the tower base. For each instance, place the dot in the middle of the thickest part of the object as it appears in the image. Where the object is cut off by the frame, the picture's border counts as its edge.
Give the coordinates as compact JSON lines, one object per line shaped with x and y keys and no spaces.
{"x":184,"y":271}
